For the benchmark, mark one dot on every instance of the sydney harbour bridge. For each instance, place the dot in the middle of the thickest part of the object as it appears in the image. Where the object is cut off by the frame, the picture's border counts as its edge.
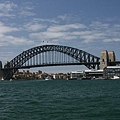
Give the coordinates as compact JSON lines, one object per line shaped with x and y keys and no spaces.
{"x":50,"y":55}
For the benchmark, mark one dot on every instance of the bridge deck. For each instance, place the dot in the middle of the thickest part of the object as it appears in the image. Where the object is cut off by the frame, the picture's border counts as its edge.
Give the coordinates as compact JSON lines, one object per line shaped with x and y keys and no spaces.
{"x":53,"y":64}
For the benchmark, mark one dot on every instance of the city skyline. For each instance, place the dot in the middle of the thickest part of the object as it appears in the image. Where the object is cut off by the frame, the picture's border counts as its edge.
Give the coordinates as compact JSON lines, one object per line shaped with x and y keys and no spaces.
{"x":89,"y":25}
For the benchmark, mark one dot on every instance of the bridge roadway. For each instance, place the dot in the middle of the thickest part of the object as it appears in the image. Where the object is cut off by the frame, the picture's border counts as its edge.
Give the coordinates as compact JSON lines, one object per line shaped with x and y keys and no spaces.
{"x":52,"y":64}
{"x":59,"y":64}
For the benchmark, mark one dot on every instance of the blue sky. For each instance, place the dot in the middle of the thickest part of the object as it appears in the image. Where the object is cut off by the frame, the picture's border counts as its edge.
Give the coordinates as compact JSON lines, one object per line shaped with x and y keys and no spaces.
{"x":90,"y":25}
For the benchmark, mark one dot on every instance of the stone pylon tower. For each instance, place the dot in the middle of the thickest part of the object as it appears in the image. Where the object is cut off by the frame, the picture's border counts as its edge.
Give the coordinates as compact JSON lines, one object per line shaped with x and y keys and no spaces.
{"x":111,"y":55}
{"x":105,"y":58}
{"x":1,"y":71}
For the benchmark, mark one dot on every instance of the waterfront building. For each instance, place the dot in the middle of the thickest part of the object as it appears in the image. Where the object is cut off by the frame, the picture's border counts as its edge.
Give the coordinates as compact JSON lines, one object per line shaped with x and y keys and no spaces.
{"x":111,"y":71}
{"x":86,"y":74}
{"x":60,"y":76}
{"x":76,"y":74}
{"x":93,"y":73}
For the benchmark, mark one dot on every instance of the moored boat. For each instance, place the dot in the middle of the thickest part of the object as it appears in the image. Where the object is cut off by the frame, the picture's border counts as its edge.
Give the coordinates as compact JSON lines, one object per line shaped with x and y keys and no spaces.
{"x":48,"y":78}
{"x":115,"y":77}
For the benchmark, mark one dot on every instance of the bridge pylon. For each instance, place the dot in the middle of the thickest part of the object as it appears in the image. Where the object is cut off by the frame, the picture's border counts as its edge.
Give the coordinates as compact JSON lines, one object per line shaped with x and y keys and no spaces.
{"x":5,"y":74}
{"x":106,"y":57}
{"x":1,"y":71}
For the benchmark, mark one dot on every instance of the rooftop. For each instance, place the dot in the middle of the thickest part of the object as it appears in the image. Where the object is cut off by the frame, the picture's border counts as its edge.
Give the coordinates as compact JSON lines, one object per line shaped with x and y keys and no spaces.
{"x":113,"y":67}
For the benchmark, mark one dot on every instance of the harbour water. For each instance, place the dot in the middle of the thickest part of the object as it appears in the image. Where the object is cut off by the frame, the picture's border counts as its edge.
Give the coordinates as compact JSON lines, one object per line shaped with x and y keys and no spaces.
{"x":60,"y":100}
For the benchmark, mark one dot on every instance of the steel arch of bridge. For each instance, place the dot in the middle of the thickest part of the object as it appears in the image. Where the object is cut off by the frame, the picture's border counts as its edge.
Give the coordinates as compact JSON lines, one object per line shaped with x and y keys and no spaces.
{"x":84,"y":58}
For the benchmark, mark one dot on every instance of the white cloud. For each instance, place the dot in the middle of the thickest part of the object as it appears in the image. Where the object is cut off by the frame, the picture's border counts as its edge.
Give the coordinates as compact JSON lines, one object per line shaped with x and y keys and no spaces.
{"x":91,"y":36}
{"x":6,"y":29}
{"x":94,"y":32}
{"x":112,"y":40}
{"x":26,"y":13}
{"x":26,"y":10}
{"x":46,"y":20}
{"x":51,"y":29}
{"x":66,"y":27}
{"x":7,"y":6}
{"x":34,"y":27}
{"x":59,"y":32}
{"x":47,"y":35}
{"x":68,"y":18}
{"x":63,"y":17}
{"x":6,"y":9}
{"x":6,"y":39}
{"x":99,"y":25}
{"x":10,"y":9}
{"x":11,"y":40}
{"x":6,"y":15}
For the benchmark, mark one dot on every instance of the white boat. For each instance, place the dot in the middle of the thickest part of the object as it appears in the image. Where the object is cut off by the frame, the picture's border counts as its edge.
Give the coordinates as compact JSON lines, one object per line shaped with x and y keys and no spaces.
{"x":48,"y":78}
{"x":115,"y":77}
{"x":2,"y":78}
